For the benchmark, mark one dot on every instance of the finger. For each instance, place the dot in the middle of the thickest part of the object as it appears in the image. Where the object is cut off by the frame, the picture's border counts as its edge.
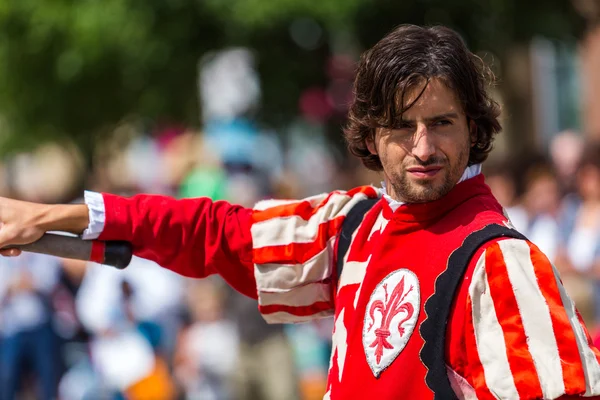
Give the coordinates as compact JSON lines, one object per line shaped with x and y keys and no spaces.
{"x":10,"y":252}
{"x":6,"y":237}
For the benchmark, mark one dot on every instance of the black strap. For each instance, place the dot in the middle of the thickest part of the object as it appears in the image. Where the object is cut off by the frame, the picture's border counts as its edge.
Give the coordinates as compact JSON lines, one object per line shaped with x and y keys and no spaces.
{"x":350,"y":224}
{"x":437,"y":308}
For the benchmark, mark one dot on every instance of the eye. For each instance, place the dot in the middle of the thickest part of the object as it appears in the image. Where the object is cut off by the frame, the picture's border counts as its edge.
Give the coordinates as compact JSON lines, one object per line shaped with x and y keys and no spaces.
{"x":403,"y":125}
{"x":443,"y":122}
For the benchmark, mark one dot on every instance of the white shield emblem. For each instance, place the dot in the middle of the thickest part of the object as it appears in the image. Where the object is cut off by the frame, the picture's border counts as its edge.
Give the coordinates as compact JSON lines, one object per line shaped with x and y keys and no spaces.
{"x":390,"y":318}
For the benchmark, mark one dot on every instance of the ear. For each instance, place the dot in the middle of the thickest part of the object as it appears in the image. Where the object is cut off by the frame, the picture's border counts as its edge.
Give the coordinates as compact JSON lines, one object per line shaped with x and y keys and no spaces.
{"x":473,"y":132}
{"x":370,"y":142}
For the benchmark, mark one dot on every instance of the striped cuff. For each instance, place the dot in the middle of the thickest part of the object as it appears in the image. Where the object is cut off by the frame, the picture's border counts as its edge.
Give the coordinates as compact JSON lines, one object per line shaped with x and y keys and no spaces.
{"x":97,"y":215}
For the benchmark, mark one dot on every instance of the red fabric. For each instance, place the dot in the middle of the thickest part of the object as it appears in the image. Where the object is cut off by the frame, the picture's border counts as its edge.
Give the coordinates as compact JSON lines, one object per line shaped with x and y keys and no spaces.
{"x":420,"y":238}
{"x":300,"y":311}
{"x":509,"y":317}
{"x":97,"y":253}
{"x":298,"y":253}
{"x":193,"y":237}
{"x":306,"y":209}
{"x":417,"y":237}
{"x":569,"y":355}
{"x":198,"y":237}
{"x":461,"y":348}
{"x":462,"y":352}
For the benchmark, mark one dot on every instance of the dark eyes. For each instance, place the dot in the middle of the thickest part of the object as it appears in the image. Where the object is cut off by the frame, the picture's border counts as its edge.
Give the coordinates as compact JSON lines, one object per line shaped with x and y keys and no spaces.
{"x":403,"y":125}
{"x":442,"y":122}
{"x":406,"y":125}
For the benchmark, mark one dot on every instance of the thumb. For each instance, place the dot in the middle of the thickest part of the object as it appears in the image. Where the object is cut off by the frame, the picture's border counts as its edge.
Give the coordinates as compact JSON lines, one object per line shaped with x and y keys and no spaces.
{"x":4,"y":239}
{"x":10,"y":252}
{"x":7,"y":236}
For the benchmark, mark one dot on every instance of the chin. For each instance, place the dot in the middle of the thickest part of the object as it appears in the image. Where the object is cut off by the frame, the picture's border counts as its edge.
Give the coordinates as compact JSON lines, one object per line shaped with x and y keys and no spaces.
{"x":418,"y":190}
{"x":428,"y":184}
{"x":429,"y":191}
{"x":427,"y":196}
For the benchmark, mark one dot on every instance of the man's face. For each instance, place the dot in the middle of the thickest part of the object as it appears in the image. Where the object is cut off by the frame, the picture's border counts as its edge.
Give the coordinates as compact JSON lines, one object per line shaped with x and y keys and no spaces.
{"x":426,"y":155}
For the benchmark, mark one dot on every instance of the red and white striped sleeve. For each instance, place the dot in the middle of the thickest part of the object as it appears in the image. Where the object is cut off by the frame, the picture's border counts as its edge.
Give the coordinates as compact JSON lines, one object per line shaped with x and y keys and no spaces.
{"x":293,"y":253}
{"x":524,"y":338}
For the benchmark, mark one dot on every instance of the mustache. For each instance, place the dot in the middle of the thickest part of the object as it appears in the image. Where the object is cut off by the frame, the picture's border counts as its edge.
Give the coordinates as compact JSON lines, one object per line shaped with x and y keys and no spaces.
{"x":429,"y":162}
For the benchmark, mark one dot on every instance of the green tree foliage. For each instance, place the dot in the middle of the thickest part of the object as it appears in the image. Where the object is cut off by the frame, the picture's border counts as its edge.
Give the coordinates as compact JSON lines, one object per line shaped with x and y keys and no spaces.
{"x":71,"y":68}
{"x":74,"y":67}
{"x":492,"y":25}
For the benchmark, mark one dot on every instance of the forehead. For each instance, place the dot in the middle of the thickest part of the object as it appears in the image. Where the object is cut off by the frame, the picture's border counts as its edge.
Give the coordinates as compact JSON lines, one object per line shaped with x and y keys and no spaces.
{"x":436,"y":99}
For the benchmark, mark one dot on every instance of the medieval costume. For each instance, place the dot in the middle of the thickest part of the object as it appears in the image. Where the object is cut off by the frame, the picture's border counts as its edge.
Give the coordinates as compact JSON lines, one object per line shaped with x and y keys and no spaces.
{"x":440,"y":299}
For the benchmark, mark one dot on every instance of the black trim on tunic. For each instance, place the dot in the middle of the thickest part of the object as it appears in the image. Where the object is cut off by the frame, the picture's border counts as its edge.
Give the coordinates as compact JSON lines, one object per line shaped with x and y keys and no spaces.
{"x":438,"y":306}
{"x":351,"y":223}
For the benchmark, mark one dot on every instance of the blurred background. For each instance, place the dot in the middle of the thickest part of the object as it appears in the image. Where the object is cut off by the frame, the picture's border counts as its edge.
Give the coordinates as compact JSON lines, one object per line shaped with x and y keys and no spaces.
{"x":243,"y":100}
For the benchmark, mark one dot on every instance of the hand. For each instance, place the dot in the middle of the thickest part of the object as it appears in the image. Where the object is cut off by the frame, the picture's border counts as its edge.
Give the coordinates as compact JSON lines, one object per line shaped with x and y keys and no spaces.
{"x":20,"y":223}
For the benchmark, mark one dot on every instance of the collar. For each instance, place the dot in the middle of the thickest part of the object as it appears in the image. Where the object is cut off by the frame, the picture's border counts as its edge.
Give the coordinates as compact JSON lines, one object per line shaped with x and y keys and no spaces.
{"x":470,"y":172}
{"x":414,"y":215}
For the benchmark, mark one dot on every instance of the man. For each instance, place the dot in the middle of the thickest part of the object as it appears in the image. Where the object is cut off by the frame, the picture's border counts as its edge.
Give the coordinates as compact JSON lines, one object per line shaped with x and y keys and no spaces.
{"x":28,"y":340}
{"x":437,"y":297}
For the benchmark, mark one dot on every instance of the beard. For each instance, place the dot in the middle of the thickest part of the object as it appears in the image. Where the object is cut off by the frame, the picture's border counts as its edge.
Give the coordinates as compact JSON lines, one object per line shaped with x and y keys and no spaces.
{"x":413,"y":190}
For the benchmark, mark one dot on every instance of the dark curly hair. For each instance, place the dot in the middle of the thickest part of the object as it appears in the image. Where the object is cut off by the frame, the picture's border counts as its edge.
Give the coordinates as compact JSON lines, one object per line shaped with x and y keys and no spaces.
{"x":412,"y":55}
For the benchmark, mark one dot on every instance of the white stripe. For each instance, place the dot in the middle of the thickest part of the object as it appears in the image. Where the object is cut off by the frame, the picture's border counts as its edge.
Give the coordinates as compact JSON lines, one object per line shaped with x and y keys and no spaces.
{"x":282,"y":317}
{"x":313,"y":200}
{"x":270,"y":203}
{"x":379,"y":225}
{"x":340,"y":343}
{"x":283,"y":277}
{"x":295,"y":229}
{"x":462,"y":388}
{"x":489,"y":337}
{"x":299,"y":297}
{"x":353,"y":273}
{"x":535,"y":314}
{"x":591,"y":368}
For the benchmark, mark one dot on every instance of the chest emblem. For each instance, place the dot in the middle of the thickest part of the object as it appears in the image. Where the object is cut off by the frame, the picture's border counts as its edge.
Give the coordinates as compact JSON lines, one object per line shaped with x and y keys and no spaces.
{"x":390,"y":318}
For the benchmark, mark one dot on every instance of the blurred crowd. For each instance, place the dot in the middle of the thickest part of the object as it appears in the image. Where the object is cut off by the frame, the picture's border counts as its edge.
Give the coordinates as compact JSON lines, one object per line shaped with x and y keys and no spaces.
{"x":80,"y":331}
{"x":553,"y":198}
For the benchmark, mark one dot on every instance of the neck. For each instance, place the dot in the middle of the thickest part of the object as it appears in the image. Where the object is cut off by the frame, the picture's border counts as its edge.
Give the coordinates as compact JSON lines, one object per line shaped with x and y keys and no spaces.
{"x":390,"y":190}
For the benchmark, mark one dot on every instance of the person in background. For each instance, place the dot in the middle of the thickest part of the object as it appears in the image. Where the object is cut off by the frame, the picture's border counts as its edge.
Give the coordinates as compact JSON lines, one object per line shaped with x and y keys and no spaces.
{"x":312,"y":346}
{"x":535,"y":215}
{"x":500,"y":178}
{"x":207,"y":347}
{"x":75,"y":371}
{"x":265,"y":366}
{"x":580,"y":223}
{"x":125,"y":358}
{"x":29,"y":345}
{"x":565,"y":152}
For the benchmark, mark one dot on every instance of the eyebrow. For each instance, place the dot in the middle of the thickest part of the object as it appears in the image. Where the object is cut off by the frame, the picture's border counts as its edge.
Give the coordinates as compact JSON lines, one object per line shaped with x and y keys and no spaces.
{"x":450,"y":115}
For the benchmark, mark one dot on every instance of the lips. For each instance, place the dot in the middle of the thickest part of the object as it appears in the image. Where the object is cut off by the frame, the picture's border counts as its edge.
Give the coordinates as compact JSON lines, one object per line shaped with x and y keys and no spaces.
{"x":424,"y":172}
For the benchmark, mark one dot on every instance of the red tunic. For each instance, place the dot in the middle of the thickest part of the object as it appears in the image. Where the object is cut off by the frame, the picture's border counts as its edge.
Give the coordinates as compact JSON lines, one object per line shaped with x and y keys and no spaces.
{"x":513,"y":331}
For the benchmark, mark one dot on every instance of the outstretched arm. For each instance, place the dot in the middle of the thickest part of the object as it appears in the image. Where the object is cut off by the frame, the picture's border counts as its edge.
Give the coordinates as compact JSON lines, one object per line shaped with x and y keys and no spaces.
{"x":24,"y":222}
{"x":193,"y":237}
{"x":281,"y":252}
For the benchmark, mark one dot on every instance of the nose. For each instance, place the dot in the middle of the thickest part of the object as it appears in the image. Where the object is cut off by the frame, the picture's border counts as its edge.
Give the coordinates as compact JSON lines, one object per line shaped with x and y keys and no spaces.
{"x":423,"y":146}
